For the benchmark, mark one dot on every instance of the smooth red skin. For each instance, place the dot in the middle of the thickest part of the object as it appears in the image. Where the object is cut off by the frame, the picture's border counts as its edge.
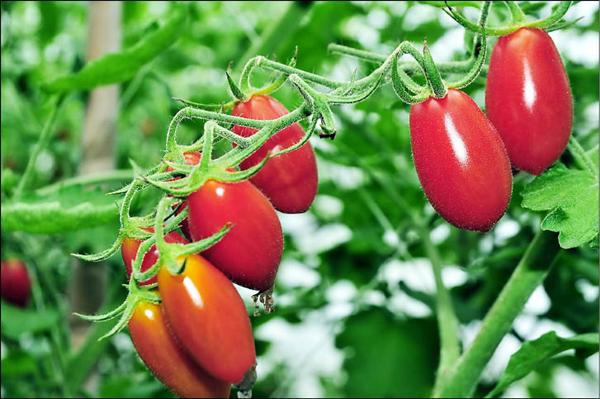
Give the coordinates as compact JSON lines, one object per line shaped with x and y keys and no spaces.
{"x":209,"y":319}
{"x":15,"y":285}
{"x":251,"y":251}
{"x":165,"y":358}
{"x":471,"y":191}
{"x":289,"y":180}
{"x":528,"y":99}
{"x":129,"y":249}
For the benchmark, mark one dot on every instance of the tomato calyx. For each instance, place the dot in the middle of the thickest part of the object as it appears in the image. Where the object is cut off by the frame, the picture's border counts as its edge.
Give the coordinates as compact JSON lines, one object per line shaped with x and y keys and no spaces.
{"x":518,"y":20}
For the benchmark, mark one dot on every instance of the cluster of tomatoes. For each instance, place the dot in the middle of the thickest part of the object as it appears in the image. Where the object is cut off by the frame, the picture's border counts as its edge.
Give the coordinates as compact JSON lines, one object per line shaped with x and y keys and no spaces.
{"x":198,"y":340}
{"x":463,"y":158}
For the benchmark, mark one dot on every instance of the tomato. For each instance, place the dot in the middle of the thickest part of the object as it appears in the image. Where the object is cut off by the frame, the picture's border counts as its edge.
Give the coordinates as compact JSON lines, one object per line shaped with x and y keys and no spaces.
{"x":129,"y":249}
{"x":15,"y":285}
{"x":165,"y":358}
{"x":251,"y":251}
{"x":289,"y":180}
{"x":528,"y":99}
{"x":460,"y":160}
{"x":209,"y":319}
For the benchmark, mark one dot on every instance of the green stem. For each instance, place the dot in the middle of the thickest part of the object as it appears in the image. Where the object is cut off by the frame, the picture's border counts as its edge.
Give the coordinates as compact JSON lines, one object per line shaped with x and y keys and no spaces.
{"x":529,"y":273}
{"x":42,"y":143}
{"x":581,"y":157}
{"x":276,"y":34}
{"x":446,"y":318}
{"x":288,"y":70}
{"x":518,"y":16}
{"x":353,"y":52}
{"x":97,"y":178}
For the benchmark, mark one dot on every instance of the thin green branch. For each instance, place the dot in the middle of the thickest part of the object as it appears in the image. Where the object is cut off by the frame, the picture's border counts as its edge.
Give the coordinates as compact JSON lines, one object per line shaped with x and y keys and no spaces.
{"x":42,"y":143}
{"x":581,"y":157}
{"x":97,"y":178}
{"x":446,"y":317}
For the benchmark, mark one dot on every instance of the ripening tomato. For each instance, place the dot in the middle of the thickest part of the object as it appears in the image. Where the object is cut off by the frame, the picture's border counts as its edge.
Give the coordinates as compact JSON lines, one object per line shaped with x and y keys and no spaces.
{"x":207,"y":316}
{"x":528,"y":99}
{"x":289,"y":180}
{"x":460,"y":160}
{"x":165,"y":358}
{"x":15,"y":285}
{"x":129,"y":249}
{"x":251,"y":251}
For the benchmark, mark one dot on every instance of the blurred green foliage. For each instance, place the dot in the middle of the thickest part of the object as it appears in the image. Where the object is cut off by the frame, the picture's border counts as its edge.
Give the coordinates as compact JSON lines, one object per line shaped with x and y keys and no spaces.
{"x":359,"y":234}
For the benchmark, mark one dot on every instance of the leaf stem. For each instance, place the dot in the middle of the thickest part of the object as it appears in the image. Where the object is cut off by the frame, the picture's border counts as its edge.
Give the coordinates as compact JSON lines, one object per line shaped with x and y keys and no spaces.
{"x":581,"y":157}
{"x":529,"y":273}
{"x":447,"y":322}
{"x":42,"y":143}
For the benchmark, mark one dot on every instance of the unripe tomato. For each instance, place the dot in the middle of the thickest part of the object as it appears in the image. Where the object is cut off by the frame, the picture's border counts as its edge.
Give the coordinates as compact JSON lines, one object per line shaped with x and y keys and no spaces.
{"x":289,"y":180}
{"x":528,"y":99}
{"x":129,"y":249}
{"x":251,"y":251}
{"x":207,"y":316}
{"x":15,"y":285}
{"x":460,"y":160}
{"x":169,"y":363}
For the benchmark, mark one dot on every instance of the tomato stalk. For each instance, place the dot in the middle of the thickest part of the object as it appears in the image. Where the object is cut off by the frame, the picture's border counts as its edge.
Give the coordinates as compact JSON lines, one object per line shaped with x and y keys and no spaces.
{"x":529,"y":273}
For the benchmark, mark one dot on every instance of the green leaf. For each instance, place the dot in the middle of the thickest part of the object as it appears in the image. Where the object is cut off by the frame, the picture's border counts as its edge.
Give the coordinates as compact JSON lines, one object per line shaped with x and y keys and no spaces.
{"x":15,"y":321}
{"x":532,"y":354}
{"x":571,"y":198}
{"x":73,"y":209}
{"x":119,"y":67}
{"x":17,"y":364}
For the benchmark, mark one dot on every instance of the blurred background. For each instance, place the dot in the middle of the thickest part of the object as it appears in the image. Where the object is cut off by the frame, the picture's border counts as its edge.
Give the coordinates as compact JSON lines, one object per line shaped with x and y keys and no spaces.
{"x":354,"y":295}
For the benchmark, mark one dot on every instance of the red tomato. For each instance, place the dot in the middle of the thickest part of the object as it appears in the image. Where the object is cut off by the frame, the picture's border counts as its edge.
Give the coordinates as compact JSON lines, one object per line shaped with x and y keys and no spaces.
{"x":15,"y":285}
{"x":250,"y":253}
{"x":528,"y":99}
{"x":209,"y":319}
{"x":129,"y":249}
{"x":289,"y":180}
{"x":169,"y":363}
{"x":460,"y":160}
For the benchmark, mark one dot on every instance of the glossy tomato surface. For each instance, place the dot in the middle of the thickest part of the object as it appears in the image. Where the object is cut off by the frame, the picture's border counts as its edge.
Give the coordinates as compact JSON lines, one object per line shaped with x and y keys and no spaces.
{"x":15,"y":285}
{"x":289,"y":180}
{"x":251,"y":251}
{"x":209,"y":319}
{"x":129,"y":249}
{"x":460,"y":160}
{"x":169,"y":363}
{"x":528,"y":99}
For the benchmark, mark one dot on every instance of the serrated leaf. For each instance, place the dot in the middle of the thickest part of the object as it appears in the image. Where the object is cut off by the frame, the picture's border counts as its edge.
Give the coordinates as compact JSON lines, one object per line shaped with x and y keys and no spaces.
{"x":533,"y":353}
{"x":73,"y":209}
{"x":122,"y":66}
{"x":571,"y":198}
{"x":15,"y":321}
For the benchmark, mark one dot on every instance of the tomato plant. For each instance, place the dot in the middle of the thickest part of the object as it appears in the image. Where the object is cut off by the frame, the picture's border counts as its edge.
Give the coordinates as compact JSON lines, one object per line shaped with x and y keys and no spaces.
{"x":289,"y":180}
{"x":460,"y":160}
{"x":209,"y":319}
{"x":250,"y":253}
{"x":528,"y":99}
{"x":15,"y":282}
{"x":163,"y":355}
{"x":368,"y":249}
